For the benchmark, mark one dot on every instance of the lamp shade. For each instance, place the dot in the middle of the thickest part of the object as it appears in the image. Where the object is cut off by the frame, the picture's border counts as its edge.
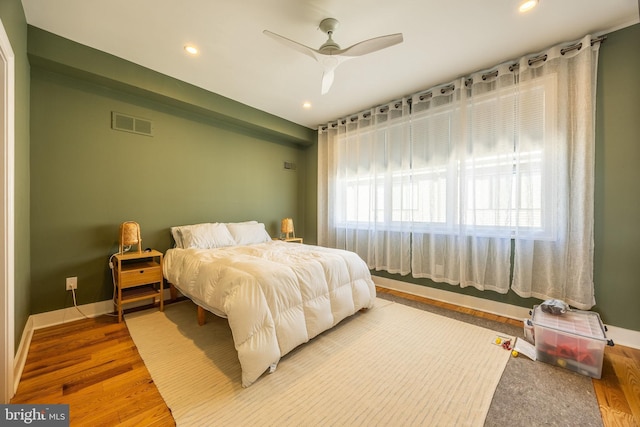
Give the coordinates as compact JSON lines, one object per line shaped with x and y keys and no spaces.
{"x":286,"y":227}
{"x":130,"y":235}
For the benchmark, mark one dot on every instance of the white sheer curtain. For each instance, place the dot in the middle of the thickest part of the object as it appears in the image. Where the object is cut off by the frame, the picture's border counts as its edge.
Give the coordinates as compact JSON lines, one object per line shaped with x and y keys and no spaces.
{"x":363,"y":166}
{"x":463,"y":148}
{"x":457,"y":183}
{"x":561,"y":266}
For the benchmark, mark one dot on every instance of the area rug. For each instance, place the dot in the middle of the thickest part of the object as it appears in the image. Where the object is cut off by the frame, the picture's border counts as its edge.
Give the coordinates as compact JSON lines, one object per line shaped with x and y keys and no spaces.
{"x":392,"y":365}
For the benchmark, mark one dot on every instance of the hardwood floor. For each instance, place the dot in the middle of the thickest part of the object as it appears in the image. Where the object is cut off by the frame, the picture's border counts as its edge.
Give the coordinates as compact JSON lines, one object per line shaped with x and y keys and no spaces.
{"x":94,"y":366}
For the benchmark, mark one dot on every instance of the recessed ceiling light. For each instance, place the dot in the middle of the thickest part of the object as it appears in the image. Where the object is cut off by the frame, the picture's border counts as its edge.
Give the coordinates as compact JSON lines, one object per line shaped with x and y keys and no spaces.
{"x":306,"y":105}
{"x":191,"y":49}
{"x":527,"y":5}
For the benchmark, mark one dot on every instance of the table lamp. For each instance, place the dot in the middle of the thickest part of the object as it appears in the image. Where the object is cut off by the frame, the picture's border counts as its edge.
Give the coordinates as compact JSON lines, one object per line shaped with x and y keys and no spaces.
{"x":287,"y":228}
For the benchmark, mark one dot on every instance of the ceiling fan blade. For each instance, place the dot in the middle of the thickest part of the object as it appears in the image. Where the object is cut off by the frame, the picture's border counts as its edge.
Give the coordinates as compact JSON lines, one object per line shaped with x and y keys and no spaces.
{"x":327,"y":81}
{"x":294,"y":45}
{"x":371,"y":45}
{"x":329,"y":64}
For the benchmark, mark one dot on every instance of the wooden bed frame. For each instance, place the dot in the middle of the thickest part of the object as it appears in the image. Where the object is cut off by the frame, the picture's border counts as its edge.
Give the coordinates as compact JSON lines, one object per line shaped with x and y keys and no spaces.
{"x":201,"y":311}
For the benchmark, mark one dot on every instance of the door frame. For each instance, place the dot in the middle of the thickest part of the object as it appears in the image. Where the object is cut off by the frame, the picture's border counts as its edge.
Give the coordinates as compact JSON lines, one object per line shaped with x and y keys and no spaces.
{"x":7,"y":248}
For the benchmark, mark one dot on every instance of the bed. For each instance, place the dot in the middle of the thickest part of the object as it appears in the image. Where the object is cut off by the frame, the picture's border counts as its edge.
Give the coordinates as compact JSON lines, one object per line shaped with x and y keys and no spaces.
{"x":276,"y":295}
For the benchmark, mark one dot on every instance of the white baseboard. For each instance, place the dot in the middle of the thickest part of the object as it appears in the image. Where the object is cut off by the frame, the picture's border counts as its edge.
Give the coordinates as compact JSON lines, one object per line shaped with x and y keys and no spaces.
{"x":620,"y":336}
{"x":467,"y":301}
{"x":58,"y":317}
{"x":71,"y":314}
{"x":625,"y":337}
{"x":21,"y":355}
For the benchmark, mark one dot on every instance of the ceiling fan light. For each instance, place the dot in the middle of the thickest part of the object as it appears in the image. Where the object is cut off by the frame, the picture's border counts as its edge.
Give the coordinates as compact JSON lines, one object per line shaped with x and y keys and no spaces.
{"x":527,"y":5}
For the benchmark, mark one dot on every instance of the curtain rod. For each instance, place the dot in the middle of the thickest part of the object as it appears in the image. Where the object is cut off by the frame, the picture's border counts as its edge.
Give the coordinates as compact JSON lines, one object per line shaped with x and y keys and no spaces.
{"x":467,"y":82}
{"x":563,"y":51}
{"x":513,"y":66}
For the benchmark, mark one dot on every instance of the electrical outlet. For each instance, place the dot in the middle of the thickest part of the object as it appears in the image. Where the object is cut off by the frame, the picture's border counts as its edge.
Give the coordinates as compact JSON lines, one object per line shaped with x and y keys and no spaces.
{"x":72,"y":283}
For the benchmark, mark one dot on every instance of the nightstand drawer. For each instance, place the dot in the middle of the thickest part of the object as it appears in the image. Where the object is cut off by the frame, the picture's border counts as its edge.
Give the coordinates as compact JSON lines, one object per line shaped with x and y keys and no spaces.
{"x":140,"y":275}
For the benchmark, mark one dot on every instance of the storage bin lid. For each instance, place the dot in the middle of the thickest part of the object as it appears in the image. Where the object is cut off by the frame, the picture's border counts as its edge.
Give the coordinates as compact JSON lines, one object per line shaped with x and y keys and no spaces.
{"x":583,"y":323}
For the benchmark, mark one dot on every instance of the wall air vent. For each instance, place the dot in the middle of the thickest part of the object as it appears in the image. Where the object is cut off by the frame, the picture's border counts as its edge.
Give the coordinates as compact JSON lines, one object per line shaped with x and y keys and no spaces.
{"x":290,"y":166}
{"x":131,"y":124}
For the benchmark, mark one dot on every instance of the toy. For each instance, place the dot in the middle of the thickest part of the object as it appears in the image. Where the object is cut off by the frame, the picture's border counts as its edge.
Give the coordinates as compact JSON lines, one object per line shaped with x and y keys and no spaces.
{"x":504,"y":342}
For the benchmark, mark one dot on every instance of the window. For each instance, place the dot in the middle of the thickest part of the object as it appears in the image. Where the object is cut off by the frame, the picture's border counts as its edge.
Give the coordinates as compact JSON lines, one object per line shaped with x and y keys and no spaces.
{"x":483,"y":176}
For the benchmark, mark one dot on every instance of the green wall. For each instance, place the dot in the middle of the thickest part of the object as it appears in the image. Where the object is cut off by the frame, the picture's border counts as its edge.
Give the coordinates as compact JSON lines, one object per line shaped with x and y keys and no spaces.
{"x":617,"y":197}
{"x":617,"y":211}
{"x":14,"y":23}
{"x":87,"y":178}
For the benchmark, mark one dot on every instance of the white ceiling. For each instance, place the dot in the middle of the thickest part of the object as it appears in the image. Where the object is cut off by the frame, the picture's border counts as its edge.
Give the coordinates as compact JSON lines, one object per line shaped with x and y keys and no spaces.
{"x":442,"y":40}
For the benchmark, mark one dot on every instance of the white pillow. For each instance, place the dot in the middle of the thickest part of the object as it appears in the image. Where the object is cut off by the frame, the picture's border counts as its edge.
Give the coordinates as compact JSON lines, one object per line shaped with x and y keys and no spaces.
{"x":177,"y":237}
{"x":178,"y":231}
{"x":206,"y":236}
{"x":248,"y":233}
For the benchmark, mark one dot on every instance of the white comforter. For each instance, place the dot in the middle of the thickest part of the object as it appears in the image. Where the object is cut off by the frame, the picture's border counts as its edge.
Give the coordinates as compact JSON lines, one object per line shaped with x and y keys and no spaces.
{"x":276,"y":295}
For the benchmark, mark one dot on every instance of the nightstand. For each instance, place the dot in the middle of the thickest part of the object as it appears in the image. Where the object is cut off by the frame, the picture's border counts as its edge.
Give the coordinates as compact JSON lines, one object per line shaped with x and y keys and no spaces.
{"x":138,"y":276}
{"x":289,"y":239}
{"x":294,"y":239}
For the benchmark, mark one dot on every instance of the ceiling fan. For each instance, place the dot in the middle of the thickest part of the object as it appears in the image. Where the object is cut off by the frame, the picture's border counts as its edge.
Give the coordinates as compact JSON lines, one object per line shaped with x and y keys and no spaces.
{"x":329,"y":55}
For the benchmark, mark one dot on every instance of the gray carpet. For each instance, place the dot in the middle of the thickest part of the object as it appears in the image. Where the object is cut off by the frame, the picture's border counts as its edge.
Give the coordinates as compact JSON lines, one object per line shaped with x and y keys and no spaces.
{"x":530,"y":393}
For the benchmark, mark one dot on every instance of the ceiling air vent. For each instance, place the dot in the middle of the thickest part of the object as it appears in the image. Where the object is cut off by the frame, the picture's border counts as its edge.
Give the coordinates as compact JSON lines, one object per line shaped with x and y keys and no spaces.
{"x":131,"y":124}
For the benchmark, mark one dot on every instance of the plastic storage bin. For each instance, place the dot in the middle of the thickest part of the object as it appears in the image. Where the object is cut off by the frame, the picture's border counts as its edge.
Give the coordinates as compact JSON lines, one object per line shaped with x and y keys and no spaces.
{"x":574,"y":340}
